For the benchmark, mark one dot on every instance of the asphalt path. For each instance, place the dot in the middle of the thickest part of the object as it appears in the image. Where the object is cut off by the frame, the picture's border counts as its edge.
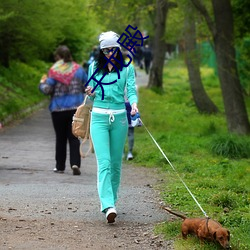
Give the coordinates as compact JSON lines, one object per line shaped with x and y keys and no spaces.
{"x":26,"y":176}
{"x":31,"y":190}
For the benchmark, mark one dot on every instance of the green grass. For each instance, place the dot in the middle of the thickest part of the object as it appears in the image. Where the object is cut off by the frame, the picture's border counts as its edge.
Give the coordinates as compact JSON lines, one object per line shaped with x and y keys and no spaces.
{"x":214,"y":164}
{"x":19,"y":88}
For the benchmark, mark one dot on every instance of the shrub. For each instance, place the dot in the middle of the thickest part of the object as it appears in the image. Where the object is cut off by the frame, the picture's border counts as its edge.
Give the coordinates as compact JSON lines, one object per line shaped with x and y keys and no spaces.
{"x":231,"y":146}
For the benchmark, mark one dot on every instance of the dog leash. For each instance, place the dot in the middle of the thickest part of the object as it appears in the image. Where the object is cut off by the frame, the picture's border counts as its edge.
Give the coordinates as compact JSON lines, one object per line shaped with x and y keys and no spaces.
{"x":174,"y":169}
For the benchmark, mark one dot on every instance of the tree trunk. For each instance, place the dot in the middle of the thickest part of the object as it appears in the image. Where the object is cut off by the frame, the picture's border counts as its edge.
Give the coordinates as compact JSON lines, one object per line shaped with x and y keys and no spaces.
{"x":201,"y":99}
{"x":235,"y":109}
{"x":159,"y":45}
{"x":223,"y":38}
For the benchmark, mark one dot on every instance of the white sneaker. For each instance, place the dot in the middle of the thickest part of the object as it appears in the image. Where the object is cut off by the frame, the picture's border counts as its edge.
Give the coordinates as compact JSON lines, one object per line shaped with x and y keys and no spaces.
{"x":76,"y":170}
{"x":130,"y":156}
{"x":58,"y":171}
{"x":111,"y":214}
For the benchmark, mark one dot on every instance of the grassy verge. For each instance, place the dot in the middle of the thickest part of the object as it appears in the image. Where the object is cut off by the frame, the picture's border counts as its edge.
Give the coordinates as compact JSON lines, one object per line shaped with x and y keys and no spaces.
{"x":19,"y":88}
{"x":212,"y":163}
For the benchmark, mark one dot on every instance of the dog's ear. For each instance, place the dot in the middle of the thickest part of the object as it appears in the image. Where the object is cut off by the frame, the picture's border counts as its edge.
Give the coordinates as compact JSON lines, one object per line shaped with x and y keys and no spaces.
{"x":228,"y":237}
{"x":214,"y":235}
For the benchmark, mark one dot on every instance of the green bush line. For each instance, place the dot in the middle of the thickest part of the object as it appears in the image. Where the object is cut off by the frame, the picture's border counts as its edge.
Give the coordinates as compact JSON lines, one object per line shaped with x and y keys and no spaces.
{"x":19,"y":94}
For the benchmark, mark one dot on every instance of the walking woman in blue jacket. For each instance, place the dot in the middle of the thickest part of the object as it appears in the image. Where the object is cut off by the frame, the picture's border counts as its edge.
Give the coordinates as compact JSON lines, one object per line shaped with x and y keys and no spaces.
{"x":109,"y":123}
{"x":65,"y":84}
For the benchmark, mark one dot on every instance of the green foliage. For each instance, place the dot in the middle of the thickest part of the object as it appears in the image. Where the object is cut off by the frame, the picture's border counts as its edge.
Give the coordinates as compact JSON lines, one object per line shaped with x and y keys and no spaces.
{"x":120,"y":14}
{"x":174,"y":25}
{"x":231,"y":146}
{"x":219,"y":183}
{"x":170,"y":230}
{"x":29,"y":33}
{"x":175,"y":28}
{"x":224,"y":200}
{"x":19,"y":87}
{"x":243,"y":59}
{"x":241,"y":17}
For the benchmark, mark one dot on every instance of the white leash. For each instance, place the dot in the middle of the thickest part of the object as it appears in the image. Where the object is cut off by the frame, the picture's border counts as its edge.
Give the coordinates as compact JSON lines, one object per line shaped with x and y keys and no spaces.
{"x":174,"y":169}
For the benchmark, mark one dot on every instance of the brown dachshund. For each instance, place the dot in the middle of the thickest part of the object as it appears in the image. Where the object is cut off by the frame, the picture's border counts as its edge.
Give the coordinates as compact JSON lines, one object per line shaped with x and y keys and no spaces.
{"x":204,"y":229}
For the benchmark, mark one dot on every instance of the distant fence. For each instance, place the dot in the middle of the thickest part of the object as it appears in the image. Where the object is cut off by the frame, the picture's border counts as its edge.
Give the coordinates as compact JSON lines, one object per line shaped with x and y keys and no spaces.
{"x":208,"y":58}
{"x":207,"y":55}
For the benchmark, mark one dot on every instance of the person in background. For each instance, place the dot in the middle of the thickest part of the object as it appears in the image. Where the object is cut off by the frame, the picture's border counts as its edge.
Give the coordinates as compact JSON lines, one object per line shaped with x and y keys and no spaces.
{"x":130,"y":133}
{"x":147,"y":54}
{"x":128,"y":109}
{"x":93,"y":55}
{"x":139,"y":56}
{"x":109,"y":125}
{"x":65,"y":84}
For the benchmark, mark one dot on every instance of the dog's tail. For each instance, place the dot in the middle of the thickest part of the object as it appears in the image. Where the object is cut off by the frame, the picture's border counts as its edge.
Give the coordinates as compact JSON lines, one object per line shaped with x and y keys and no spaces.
{"x":175,"y":213}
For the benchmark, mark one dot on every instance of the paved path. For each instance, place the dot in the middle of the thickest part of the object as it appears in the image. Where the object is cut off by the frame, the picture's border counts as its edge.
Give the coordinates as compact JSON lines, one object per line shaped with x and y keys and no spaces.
{"x":27,"y":160}
{"x":141,"y":78}
{"x":26,"y":163}
{"x":31,"y":191}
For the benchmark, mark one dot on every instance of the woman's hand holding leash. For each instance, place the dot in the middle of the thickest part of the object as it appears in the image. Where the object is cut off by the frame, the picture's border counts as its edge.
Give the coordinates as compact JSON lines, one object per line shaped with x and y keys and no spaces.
{"x":134,"y":109}
{"x":88,"y":91}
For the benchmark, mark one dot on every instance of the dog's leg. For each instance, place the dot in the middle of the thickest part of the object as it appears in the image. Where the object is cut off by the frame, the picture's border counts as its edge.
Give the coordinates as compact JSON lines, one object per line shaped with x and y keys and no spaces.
{"x":184,"y":235}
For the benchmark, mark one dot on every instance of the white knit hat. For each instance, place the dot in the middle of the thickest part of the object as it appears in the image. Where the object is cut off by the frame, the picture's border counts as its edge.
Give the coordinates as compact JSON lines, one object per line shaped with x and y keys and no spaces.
{"x":108,"y":39}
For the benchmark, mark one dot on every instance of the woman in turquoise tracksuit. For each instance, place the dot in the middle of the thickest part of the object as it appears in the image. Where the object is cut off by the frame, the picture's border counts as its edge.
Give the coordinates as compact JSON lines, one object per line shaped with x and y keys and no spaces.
{"x":109,"y":123}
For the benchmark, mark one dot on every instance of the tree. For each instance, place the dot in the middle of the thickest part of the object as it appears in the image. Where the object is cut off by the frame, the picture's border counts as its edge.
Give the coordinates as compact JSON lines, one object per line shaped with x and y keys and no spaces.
{"x":223,"y":38}
{"x":242,"y":33}
{"x":120,"y":14}
{"x":24,"y":32}
{"x":241,"y":17}
{"x":28,"y":33}
{"x":159,"y":44}
{"x":201,"y":99}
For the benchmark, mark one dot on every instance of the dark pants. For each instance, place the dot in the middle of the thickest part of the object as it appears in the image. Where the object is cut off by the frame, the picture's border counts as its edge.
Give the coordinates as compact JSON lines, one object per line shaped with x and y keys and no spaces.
{"x":62,"y":122}
{"x":147,"y":65}
{"x":130,"y":139}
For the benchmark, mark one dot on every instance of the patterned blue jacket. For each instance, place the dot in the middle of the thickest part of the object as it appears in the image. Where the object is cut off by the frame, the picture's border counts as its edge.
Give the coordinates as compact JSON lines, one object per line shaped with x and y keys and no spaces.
{"x":65,"y":97}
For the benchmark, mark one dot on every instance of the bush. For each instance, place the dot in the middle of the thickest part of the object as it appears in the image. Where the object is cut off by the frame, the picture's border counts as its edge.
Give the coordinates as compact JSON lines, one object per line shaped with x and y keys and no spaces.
{"x":19,"y":88}
{"x":231,"y":146}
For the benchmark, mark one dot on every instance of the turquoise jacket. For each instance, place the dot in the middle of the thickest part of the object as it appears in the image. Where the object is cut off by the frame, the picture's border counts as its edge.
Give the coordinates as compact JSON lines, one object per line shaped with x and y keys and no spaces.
{"x":113,"y":94}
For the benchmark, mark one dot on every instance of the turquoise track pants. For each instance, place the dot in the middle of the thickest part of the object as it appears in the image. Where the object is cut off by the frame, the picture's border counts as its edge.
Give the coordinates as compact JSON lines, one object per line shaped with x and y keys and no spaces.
{"x":108,"y":136}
